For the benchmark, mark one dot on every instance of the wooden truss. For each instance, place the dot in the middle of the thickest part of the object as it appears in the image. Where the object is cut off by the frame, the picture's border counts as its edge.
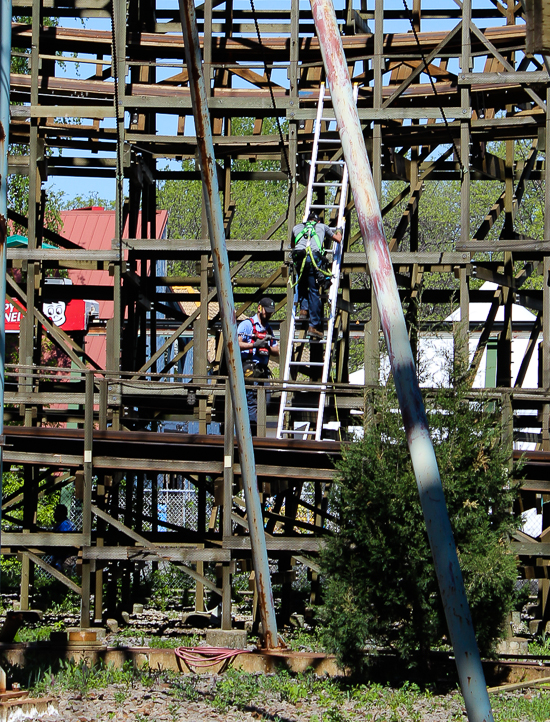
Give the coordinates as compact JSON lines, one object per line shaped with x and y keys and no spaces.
{"x":436,"y":89}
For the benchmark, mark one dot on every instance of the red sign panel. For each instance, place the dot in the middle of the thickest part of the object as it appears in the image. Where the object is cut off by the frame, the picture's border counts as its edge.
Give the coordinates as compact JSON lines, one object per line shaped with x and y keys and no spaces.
{"x":69,"y":316}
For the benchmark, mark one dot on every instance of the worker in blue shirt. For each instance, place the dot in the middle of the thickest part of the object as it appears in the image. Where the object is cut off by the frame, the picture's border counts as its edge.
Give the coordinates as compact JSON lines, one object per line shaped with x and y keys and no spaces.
{"x":257,"y":344}
{"x":64,"y":559}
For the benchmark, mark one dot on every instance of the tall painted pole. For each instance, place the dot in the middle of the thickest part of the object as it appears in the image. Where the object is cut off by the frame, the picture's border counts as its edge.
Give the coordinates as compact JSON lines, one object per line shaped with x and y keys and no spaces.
{"x":451,"y":585}
{"x":214,"y":215}
{"x":5,"y":65}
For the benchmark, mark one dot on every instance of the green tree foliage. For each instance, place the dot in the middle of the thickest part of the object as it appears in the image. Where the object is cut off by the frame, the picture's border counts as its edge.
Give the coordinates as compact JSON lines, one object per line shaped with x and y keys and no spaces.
{"x":12,"y":519}
{"x":85,"y":201}
{"x":258,"y":204}
{"x":380,"y":585}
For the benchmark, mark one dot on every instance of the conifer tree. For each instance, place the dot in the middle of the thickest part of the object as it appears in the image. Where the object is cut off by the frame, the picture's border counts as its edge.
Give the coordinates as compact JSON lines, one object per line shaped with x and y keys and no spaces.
{"x":380,"y":586}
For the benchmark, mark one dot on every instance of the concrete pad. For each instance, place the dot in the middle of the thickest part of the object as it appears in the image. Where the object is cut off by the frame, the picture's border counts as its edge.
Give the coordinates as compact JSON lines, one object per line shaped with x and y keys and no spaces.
{"x":228,"y":638}
{"x":513,"y":645}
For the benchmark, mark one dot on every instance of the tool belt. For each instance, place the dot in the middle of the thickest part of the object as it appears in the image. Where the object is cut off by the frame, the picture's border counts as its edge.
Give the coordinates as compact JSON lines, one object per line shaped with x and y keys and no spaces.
{"x":253,"y":370}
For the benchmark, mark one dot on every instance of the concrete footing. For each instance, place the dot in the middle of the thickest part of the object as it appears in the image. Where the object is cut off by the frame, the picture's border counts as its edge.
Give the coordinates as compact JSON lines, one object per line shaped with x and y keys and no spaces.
{"x":513,"y":645}
{"x":228,"y":638}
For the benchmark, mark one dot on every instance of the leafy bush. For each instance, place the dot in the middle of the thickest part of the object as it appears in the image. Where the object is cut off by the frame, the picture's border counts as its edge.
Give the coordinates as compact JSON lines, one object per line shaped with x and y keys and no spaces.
{"x":380,"y":583}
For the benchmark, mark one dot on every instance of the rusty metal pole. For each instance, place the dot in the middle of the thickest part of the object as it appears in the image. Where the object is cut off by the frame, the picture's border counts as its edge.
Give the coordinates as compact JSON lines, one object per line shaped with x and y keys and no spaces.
{"x":451,"y":585}
{"x":5,"y":64}
{"x":229,"y":320}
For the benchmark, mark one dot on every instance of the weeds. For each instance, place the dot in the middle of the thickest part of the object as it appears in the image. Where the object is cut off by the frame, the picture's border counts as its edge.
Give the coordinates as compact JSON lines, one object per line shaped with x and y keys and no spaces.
{"x":529,"y":706}
{"x":327,"y":699}
{"x":83,"y":678}
{"x":540,"y":646}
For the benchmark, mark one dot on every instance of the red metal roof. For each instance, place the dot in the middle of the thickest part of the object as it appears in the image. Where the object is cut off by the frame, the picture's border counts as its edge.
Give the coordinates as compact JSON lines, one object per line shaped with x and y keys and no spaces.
{"x":94,"y":228}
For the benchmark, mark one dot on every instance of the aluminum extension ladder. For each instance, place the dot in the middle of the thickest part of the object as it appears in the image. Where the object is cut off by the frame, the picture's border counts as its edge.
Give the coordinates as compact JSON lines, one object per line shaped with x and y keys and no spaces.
{"x":303,"y":404}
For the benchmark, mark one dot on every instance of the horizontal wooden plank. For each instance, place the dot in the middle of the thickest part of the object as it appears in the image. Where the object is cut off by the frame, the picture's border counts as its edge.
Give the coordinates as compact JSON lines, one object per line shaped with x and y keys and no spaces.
{"x":385,"y":113}
{"x":30,"y":457}
{"x":306,"y":544}
{"x":58,"y":254}
{"x":68,"y":111}
{"x":504,"y":77}
{"x":535,"y":485}
{"x":43,"y":539}
{"x":191,"y":466}
{"x":503,"y":245}
{"x":531,"y":549}
{"x":173,"y":554}
{"x":20,"y":397}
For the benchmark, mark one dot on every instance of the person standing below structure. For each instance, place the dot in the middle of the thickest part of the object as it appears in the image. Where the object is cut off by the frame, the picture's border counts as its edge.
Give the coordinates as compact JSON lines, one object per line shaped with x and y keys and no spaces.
{"x":257,"y":345}
{"x":64,"y":559}
{"x":310,"y":265}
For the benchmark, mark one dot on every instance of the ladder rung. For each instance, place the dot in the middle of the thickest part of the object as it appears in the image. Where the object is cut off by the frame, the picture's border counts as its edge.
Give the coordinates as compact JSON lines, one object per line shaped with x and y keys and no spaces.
{"x":332,"y":205}
{"x":305,"y":388}
{"x":309,"y":340}
{"x":293,"y":431}
{"x":307,"y":363}
{"x":302,"y":408}
{"x":327,"y":140}
{"x":334,"y":184}
{"x":330,"y":162}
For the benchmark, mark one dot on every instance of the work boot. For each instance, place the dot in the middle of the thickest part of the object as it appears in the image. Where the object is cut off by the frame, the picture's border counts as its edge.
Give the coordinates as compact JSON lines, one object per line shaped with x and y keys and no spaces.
{"x":314,"y":333}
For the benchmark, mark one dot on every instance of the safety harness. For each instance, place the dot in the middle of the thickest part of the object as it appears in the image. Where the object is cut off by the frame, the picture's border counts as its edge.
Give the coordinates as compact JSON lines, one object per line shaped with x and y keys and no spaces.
{"x":300,"y":255}
{"x":251,"y":368}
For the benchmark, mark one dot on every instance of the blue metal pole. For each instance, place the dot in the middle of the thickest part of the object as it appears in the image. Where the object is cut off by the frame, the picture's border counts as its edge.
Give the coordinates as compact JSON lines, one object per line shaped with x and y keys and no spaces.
{"x":5,"y":65}
{"x":214,"y":215}
{"x":451,"y":585}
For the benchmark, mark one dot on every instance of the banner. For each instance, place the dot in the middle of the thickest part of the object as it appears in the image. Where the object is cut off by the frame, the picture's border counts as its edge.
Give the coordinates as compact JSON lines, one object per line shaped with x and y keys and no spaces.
{"x":71,"y":316}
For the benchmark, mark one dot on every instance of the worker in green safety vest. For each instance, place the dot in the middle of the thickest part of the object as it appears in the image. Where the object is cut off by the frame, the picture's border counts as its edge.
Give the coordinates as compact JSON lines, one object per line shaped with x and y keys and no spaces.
{"x":311,"y":269}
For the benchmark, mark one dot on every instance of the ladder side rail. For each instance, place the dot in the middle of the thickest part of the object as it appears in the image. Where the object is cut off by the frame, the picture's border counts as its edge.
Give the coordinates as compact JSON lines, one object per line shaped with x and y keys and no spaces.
{"x":333,"y":297}
{"x":292,"y":327}
{"x":315,"y":151}
{"x":338,"y":252}
{"x":286,"y":371}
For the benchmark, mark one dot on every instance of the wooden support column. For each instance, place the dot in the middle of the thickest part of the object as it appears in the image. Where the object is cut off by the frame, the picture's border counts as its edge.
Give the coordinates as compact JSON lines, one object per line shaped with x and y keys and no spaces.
{"x":87,"y":500}
{"x":30,"y":495}
{"x":544,"y":356}
{"x":201,"y":521}
{"x":292,"y":155}
{"x":462,"y":329}
{"x":227,"y":527}
{"x":29,"y":351}
{"x":372,"y":327}
{"x":103,"y":481}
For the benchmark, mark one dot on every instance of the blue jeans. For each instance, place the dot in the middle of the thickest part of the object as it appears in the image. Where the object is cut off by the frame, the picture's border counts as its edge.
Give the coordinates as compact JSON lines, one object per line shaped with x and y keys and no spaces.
{"x":308,"y":292}
{"x":260,"y":371}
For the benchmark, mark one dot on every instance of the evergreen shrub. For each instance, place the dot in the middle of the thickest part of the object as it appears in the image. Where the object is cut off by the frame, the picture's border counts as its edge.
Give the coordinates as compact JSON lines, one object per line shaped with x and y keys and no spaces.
{"x":380,"y":587}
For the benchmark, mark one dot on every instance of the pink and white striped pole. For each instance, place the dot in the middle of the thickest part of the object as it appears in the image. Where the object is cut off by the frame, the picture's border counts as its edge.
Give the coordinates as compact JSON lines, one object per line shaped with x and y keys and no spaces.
{"x":451,"y":585}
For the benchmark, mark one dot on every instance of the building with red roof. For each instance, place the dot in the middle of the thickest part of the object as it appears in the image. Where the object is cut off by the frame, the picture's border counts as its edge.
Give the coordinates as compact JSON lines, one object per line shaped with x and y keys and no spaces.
{"x":94,"y":228}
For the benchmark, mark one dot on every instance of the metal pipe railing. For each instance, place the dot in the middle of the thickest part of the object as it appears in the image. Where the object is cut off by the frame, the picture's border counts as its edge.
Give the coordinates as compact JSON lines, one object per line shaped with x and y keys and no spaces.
{"x":451,"y":585}
{"x":220,"y":258}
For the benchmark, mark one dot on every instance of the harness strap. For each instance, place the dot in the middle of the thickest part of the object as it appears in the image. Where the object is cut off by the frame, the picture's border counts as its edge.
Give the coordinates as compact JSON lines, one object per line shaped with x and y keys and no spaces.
{"x":307,"y":253}
{"x":309,"y":229}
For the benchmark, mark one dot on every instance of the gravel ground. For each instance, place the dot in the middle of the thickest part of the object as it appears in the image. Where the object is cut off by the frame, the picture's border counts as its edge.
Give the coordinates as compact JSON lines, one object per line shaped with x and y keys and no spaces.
{"x":160,"y":704}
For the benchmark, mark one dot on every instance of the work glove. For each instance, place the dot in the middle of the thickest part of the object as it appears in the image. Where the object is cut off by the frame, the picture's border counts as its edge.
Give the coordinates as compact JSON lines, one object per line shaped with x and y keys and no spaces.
{"x":261,"y":343}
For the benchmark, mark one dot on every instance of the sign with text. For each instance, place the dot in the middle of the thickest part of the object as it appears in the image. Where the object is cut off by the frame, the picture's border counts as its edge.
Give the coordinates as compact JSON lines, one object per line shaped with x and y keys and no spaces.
{"x":71,"y":316}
